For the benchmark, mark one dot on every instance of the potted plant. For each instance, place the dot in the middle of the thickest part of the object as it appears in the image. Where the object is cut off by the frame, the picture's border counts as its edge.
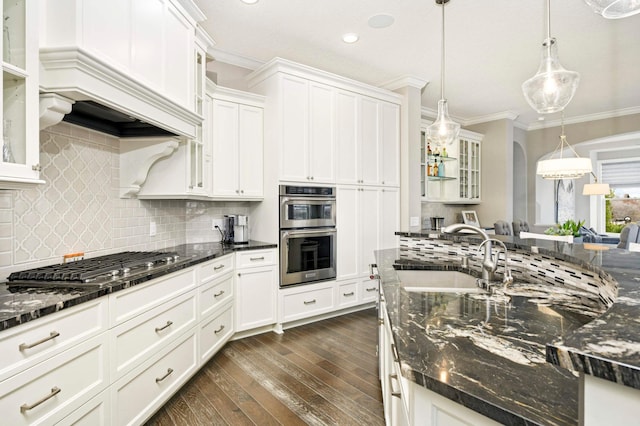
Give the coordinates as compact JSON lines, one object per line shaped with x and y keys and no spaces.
{"x":568,"y":227}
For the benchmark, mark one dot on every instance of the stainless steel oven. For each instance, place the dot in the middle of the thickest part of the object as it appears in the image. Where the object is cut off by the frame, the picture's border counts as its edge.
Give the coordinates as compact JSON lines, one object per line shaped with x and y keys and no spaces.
{"x":307,"y":207}
{"x":307,"y":234}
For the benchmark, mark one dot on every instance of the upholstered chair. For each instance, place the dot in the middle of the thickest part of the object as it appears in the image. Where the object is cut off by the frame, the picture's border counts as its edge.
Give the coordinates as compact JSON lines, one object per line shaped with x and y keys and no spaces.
{"x":502,"y":227}
{"x":520,"y":225}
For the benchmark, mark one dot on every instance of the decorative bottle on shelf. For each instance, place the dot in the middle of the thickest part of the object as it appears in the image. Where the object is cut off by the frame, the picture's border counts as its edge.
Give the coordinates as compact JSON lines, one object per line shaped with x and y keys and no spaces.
{"x":441,"y":169}
{"x":428,"y":168}
{"x":444,"y":151}
{"x":429,"y":153}
{"x":434,"y":169}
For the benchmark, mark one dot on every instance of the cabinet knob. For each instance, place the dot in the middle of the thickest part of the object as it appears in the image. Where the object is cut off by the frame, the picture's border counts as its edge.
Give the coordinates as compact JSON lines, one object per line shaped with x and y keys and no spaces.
{"x":36,"y":168}
{"x":311,"y":177}
{"x":237,"y":191}
{"x":242,"y":191}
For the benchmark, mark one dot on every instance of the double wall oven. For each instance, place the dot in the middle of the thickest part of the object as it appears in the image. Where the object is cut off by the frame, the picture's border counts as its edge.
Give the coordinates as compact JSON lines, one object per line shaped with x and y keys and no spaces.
{"x":307,"y":234}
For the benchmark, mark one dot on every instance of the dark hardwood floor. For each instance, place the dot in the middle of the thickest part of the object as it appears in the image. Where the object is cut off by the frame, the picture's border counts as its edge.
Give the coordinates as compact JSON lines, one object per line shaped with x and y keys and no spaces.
{"x":325,"y":373}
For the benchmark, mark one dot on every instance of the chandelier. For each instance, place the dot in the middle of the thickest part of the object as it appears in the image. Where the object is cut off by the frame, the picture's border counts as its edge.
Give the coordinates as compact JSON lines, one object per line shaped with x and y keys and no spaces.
{"x":553,"y":87}
{"x":615,"y":9}
{"x":444,"y":131}
{"x":561,"y":167}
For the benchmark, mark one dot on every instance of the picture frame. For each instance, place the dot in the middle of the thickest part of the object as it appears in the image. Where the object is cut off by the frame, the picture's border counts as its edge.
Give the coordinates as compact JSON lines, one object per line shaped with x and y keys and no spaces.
{"x":470,"y":217}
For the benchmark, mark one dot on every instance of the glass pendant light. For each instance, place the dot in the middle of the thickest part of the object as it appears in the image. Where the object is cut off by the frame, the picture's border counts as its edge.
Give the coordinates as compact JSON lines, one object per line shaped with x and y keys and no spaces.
{"x":561,"y":167}
{"x":553,"y":87}
{"x":615,"y":9}
{"x":444,"y":131}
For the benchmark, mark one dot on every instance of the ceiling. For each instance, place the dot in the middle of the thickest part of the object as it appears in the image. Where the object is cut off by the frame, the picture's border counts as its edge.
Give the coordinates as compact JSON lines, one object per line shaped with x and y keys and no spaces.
{"x":492,"y":46}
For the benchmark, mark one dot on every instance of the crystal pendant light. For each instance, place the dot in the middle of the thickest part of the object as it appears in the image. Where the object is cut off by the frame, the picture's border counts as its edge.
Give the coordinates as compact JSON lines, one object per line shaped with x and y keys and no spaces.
{"x":553,"y":87}
{"x":615,"y":9}
{"x":561,"y":167}
{"x":444,"y":131}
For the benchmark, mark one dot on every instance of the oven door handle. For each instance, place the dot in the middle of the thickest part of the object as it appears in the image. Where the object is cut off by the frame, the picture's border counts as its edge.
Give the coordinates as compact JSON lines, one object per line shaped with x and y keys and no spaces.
{"x":320,"y":232}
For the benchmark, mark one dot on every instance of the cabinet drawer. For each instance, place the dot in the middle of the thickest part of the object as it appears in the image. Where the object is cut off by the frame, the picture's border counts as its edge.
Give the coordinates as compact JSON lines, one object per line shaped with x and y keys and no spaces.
{"x":307,"y":303}
{"x":136,"y":396}
{"x":49,"y":391}
{"x":214,"y":294}
{"x":24,"y":346}
{"x":215,"y":268}
{"x":250,"y":258}
{"x":214,"y":332}
{"x":96,"y":412}
{"x":369,"y":290}
{"x":139,"y":338}
{"x":347,"y":294}
{"x":126,"y":304}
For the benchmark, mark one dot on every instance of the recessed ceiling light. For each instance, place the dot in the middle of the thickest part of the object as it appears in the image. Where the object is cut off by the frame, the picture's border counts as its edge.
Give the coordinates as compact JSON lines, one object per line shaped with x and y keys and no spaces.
{"x":350,"y":37}
{"x":249,"y":1}
{"x":381,"y":20}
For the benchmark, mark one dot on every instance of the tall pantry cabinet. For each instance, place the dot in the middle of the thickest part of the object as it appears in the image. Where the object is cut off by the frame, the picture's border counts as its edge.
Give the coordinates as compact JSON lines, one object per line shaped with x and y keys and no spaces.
{"x":324,"y":129}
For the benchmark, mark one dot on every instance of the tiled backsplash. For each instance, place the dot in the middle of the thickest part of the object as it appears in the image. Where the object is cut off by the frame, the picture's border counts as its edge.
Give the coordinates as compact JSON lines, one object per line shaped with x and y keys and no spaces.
{"x":78,"y":208}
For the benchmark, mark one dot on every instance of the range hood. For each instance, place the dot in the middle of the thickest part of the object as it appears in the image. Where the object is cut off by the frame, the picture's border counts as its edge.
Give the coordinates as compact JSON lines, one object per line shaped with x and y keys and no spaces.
{"x":107,"y":120}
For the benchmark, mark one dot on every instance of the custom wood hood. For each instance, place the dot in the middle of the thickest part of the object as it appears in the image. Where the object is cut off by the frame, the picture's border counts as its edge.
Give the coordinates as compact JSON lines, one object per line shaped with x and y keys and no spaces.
{"x":134,"y":62}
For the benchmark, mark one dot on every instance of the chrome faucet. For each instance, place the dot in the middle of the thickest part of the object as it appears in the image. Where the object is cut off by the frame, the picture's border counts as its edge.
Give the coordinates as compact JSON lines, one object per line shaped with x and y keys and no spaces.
{"x":489,"y":264}
{"x":507,"y":278}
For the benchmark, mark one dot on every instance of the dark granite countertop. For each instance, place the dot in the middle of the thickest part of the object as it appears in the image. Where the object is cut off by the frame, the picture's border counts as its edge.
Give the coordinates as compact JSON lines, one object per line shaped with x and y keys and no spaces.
{"x":22,"y":304}
{"x":502,"y":356}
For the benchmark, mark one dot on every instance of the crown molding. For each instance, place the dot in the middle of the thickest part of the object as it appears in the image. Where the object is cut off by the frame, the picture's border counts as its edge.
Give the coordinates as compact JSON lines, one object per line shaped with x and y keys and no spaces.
{"x":405,"y":81}
{"x":508,"y":115}
{"x":235,"y":59}
{"x":583,"y":118}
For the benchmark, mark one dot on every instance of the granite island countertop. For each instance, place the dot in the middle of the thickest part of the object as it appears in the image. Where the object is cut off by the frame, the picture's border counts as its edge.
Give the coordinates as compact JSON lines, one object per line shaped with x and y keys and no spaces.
{"x":511,"y":360}
{"x":19,"y":305}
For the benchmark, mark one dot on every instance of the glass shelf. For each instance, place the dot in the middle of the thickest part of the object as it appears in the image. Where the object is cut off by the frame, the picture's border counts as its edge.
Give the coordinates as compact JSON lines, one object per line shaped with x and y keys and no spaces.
{"x":440,"y":178}
{"x":439,"y":157}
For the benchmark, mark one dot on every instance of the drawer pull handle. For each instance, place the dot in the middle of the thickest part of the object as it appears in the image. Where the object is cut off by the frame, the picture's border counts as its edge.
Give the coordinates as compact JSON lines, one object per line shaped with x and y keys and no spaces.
{"x":219,"y":330}
{"x":348,"y":294}
{"x":391,"y":378}
{"x":169,"y":371}
{"x":24,"y":346}
{"x":220,"y":293}
{"x":371,"y":289}
{"x":310,"y":302}
{"x":253,"y":259}
{"x":54,"y":391}
{"x":217,"y":268}
{"x":168,"y":324}
{"x":394,"y":351}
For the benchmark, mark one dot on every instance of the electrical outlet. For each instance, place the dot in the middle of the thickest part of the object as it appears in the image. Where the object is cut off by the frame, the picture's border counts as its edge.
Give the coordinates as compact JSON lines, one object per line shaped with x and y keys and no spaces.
{"x":414,"y":221}
{"x":152,"y":229}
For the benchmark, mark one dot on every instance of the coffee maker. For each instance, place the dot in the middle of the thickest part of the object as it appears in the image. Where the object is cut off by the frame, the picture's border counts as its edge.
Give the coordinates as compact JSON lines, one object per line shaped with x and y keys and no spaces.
{"x":236,"y":229}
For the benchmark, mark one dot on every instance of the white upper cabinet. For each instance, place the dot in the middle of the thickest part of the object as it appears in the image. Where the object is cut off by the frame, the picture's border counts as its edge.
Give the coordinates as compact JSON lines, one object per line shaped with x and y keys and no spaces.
{"x":327,"y":129}
{"x":368,"y":140}
{"x":237,"y":125}
{"x":135,"y":56}
{"x":19,"y":165}
{"x":452,"y":177}
{"x":307,"y":131}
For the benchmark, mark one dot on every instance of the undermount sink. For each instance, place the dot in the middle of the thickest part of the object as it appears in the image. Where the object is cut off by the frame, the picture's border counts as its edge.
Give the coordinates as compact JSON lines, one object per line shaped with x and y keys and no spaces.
{"x":438,"y":281}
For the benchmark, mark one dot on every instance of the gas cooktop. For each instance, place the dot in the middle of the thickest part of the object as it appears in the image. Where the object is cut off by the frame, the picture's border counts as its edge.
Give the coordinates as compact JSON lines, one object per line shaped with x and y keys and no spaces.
{"x":94,"y":271}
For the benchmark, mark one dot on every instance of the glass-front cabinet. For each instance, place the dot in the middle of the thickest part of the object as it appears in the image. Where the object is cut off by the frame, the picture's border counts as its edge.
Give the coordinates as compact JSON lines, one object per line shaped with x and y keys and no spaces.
{"x":20,"y":128}
{"x":451,"y":174}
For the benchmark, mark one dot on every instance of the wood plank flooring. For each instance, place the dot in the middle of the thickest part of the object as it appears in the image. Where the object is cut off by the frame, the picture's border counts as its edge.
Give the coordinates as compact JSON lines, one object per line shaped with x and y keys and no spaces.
{"x":325,"y":373}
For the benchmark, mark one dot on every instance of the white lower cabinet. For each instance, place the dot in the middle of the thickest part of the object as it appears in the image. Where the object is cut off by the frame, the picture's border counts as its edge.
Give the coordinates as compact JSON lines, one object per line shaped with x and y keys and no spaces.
{"x":48,"y":391}
{"x":308,"y":300}
{"x":256,"y":289}
{"x":147,"y":387}
{"x":138,"y":339}
{"x":214,"y":332}
{"x":96,"y":412}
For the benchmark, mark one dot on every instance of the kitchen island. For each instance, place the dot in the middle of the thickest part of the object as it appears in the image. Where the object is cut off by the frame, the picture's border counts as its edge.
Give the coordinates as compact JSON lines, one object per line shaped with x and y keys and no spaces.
{"x":512,"y":360}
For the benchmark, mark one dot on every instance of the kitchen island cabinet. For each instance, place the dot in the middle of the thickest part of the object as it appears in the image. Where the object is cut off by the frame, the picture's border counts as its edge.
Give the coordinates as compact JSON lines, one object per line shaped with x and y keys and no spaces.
{"x":508,"y":358}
